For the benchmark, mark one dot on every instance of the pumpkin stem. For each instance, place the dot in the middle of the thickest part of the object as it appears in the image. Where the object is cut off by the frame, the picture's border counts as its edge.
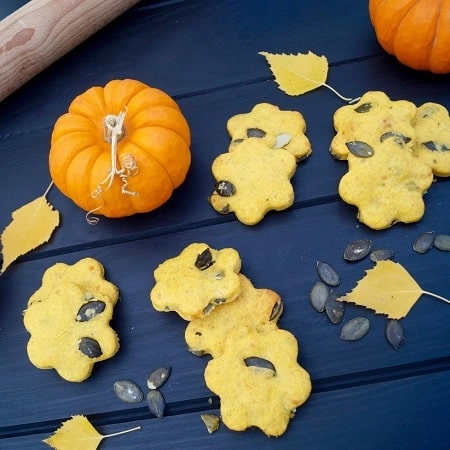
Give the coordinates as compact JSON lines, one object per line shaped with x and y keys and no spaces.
{"x":113,"y":133}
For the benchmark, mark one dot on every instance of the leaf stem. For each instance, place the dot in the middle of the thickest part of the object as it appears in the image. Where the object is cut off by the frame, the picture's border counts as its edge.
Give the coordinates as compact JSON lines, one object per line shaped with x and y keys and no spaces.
{"x":446,"y":300}
{"x":122,"y":432}
{"x":346,"y":99}
{"x":48,"y":189}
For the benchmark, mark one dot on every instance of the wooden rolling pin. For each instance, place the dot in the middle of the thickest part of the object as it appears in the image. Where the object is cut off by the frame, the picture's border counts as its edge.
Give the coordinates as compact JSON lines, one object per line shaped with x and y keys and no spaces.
{"x":41,"y":31}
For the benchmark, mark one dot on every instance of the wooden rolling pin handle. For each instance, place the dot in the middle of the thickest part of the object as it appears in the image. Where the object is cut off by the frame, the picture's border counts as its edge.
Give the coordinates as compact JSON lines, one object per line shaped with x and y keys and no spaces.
{"x":39,"y":33}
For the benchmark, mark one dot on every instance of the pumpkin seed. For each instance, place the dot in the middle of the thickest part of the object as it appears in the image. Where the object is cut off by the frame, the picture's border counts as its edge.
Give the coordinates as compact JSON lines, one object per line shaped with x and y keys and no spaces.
{"x":282,"y":139}
{"x":255,"y":132}
{"x":400,"y":137}
{"x":158,"y":377}
{"x":277,"y":310}
{"x":360,"y":149}
{"x":355,"y":329}
{"x":208,"y":308}
{"x":433,"y":146}
{"x":260,"y":363}
{"x":89,"y":347}
{"x":204,"y":259}
{"x":225,"y":188}
{"x":89,"y":310}
{"x":128,"y":392}
{"x":364,"y":107}
{"x":327,"y":273}
{"x":318,"y":296}
{"x":442,"y":242}
{"x":334,"y":309}
{"x":424,"y":242}
{"x":381,"y":254}
{"x":357,"y":250}
{"x":394,"y":333}
{"x":211,"y":421}
{"x":156,"y":403}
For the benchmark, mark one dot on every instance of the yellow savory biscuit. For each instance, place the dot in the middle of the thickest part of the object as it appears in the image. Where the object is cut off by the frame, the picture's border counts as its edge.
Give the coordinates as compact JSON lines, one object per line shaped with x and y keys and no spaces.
{"x":258,"y":380}
{"x":372,"y":120}
{"x":276,"y":129}
{"x":252,"y":180}
{"x":68,"y":319}
{"x":388,"y":186}
{"x":259,"y":309}
{"x":432,"y":145}
{"x":196,"y":281}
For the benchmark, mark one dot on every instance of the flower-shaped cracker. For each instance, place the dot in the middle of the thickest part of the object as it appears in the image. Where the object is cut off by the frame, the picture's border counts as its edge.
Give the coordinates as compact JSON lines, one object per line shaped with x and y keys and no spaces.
{"x":258,"y":380}
{"x":388,"y":186}
{"x":252,"y":180}
{"x":196,"y":281}
{"x":276,"y":128}
{"x":68,"y":319}
{"x":258,"y":308}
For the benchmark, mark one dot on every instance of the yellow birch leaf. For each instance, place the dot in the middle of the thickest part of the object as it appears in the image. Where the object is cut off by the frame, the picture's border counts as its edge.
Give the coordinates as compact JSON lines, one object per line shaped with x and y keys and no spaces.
{"x":78,"y":433}
{"x":32,"y":225}
{"x":297,"y":74}
{"x":387,"y":289}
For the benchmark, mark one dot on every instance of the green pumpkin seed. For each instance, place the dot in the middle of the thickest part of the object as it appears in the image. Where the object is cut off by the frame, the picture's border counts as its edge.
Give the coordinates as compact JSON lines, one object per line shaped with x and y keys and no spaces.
{"x":364,"y":107}
{"x":424,"y":242}
{"x":327,"y":273}
{"x":357,"y":250}
{"x":156,"y":403}
{"x":89,"y":310}
{"x":225,"y":188}
{"x":442,"y":242}
{"x":355,"y":329}
{"x":360,"y":149}
{"x":204,"y":259}
{"x":128,"y":392}
{"x":255,"y":132}
{"x":334,"y":309}
{"x":211,"y":421}
{"x":400,"y":137}
{"x":158,"y":377}
{"x":277,"y":310}
{"x":260,"y":363}
{"x":435,"y":147}
{"x":89,"y":347}
{"x":318,"y":296}
{"x":394,"y":333}
{"x":381,"y":254}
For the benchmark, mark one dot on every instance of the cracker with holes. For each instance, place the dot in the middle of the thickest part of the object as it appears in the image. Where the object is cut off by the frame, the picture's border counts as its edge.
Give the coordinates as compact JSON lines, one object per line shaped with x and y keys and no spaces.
{"x":196,"y":281}
{"x":372,"y":120}
{"x":257,"y":308}
{"x":259,"y":380}
{"x":432,"y":145}
{"x":387,"y":186}
{"x":276,"y":128}
{"x":252,"y":180}
{"x":68,"y":320}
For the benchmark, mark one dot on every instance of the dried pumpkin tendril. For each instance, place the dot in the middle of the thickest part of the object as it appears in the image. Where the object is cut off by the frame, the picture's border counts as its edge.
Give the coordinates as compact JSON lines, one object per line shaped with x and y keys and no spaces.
{"x":113,"y":131}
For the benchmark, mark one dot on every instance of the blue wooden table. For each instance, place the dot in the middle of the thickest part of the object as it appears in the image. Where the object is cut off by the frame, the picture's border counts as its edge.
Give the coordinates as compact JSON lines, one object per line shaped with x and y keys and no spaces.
{"x":205,"y":54}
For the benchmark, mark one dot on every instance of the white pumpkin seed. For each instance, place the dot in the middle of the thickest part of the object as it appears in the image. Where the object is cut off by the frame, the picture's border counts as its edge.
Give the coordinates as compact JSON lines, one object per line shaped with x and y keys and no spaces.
{"x":319,"y":296}
{"x":424,"y":242}
{"x":355,"y":329}
{"x":158,"y":377}
{"x":442,"y":242}
{"x":128,"y":392}
{"x":156,"y":403}
{"x":282,"y":139}
{"x":394,"y":333}
{"x":357,"y":250}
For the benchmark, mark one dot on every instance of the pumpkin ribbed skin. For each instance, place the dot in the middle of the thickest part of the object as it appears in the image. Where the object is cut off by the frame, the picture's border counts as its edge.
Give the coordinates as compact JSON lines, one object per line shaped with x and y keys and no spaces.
{"x":156,"y":136}
{"x":416,"y":32}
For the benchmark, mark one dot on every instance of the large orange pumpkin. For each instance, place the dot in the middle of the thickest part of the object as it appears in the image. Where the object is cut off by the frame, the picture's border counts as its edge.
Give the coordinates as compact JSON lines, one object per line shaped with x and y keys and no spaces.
{"x":416,"y":32}
{"x":120,"y":149}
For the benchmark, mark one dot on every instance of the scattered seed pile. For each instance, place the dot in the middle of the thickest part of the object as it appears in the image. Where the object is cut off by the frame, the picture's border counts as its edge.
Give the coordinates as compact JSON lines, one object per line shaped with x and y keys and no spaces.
{"x":254,"y":368}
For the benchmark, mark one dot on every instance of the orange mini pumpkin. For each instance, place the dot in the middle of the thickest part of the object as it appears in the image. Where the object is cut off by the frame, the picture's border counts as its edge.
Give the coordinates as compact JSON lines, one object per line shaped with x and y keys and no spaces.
{"x":120,"y":149}
{"x":416,"y":32}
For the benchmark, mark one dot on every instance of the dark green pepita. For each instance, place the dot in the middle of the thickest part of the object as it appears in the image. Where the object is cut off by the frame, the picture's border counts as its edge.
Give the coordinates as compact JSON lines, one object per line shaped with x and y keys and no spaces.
{"x":334,"y":309}
{"x":357,"y":250}
{"x":360,"y":149}
{"x":364,"y":107}
{"x":396,"y":135}
{"x":424,"y":242}
{"x":327,"y":273}
{"x":156,"y":403}
{"x":355,"y":329}
{"x":255,"y":132}
{"x":158,"y":377}
{"x":381,"y":254}
{"x":225,"y":188}
{"x":128,"y":392}
{"x":435,"y":147}
{"x":277,"y":310}
{"x":89,"y":347}
{"x":394,"y":333}
{"x":442,"y":242}
{"x":89,"y":310}
{"x":260,"y":363}
{"x":211,"y":422}
{"x":204,"y":259}
{"x":318,"y":296}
